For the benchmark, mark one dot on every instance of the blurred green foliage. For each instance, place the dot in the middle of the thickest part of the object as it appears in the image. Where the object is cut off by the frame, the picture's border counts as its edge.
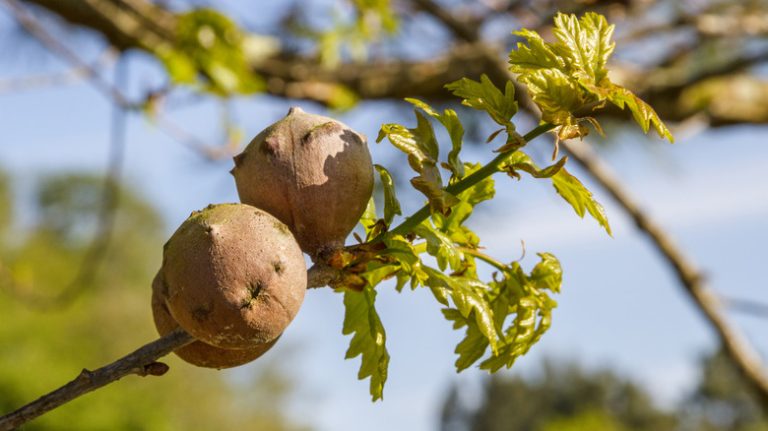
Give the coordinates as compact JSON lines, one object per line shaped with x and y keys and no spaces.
{"x":44,"y":346}
{"x":566,"y":397}
{"x":722,"y":400}
{"x":5,"y":203}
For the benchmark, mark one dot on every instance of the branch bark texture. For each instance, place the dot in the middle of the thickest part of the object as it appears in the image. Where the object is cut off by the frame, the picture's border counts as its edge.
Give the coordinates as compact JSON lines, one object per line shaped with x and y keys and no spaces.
{"x":746,"y":358}
{"x":141,"y":362}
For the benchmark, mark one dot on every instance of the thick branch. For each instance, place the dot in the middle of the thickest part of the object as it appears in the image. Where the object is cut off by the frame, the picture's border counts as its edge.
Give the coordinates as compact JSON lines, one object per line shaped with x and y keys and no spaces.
{"x":140,"y":24}
{"x":141,"y":362}
{"x":691,"y":279}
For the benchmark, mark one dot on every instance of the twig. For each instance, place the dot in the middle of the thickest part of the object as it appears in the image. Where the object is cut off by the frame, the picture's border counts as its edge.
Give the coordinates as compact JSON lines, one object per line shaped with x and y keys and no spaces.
{"x":746,"y":306}
{"x":37,"y":81}
{"x":321,"y":275}
{"x":691,"y":279}
{"x":484,"y":257}
{"x":461,"y":28}
{"x":110,"y":200}
{"x":36,"y":30}
{"x":141,"y":362}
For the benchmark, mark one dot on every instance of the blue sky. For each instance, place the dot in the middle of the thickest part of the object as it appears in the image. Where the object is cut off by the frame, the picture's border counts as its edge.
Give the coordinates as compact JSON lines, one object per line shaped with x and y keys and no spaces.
{"x":621,"y":306}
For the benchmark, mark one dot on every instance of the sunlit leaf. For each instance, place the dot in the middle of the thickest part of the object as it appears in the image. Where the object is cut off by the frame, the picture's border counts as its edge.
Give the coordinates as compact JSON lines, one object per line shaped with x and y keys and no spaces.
{"x":404,"y":140}
{"x":450,"y":120}
{"x":579,"y":197}
{"x":566,"y":185}
{"x":486,"y":97}
{"x":644,"y":115}
{"x":440,"y":246}
{"x":431,"y":184}
{"x":519,"y":161}
{"x":547,"y":274}
{"x":368,"y":339}
{"x":569,"y":78}
{"x":391,"y":204}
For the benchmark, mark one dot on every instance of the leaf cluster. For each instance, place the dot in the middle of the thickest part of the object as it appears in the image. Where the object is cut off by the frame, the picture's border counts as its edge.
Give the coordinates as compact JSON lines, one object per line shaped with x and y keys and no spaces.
{"x":569,"y":77}
{"x":502,"y":318}
{"x":209,"y":50}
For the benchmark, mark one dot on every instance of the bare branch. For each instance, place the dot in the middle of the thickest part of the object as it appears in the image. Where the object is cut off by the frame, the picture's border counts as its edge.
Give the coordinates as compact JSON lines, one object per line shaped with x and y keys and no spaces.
{"x":141,"y":362}
{"x":321,"y":275}
{"x":34,"y":28}
{"x":110,"y":200}
{"x":462,"y":28}
{"x":746,"y":358}
{"x":746,"y":306}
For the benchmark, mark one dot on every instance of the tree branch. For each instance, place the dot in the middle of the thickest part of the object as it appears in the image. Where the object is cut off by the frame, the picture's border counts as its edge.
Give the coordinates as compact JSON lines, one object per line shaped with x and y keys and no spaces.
{"x":692,"y":281}
{"x":166,"y":125}
{"x":141,"y":362}
{"x":140,"y":24}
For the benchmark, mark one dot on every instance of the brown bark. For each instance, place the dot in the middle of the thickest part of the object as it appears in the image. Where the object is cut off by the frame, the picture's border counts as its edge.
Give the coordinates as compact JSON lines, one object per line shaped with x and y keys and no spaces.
{"x":141,"y":362}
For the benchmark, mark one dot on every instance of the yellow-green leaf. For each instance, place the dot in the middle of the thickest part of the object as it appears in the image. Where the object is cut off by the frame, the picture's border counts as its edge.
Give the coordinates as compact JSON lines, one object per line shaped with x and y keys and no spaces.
{"x":368,"y":339}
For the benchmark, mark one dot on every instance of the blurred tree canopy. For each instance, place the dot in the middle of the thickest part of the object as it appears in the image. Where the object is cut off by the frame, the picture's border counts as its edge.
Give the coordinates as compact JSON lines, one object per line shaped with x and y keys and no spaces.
{"x":45,"y":344}
{"x":566,"y":397}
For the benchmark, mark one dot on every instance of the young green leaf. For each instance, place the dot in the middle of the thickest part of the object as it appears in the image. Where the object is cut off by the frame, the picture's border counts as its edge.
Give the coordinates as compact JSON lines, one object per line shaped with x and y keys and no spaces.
{"x":484,"y":96}
{"x":368,"y":339}
{"x":538,"y":54}
{"x":430,"y":183}
{"x":391,"y":204}
{"x":580,"y":198}
{"x":407,"y":141}
{"x":368,"y":219}
{"x":547,"y":274}
{"x":519,"y":161}
{"x":644,"y":115}
{"x":471,"y":348}
{"x":450,"y":120}
{"x":468,"y":295}
{"x":566,"y":185}
{"x":569,"y":78}
{"x":586,"y":43}
{"x":441,"y":247}
{"x":422,"y":149}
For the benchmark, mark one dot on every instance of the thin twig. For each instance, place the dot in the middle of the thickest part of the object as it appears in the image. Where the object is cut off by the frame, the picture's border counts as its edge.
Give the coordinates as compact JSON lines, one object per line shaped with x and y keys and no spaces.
{"x":461,"y":28}
{"x":484,"y":257}
{"x":38,"y":31}
{"x":110,"y":200}
{"x":26,"y":83}
{"x":141,"y":362}
{"x":746,"y":306}
{"x":691,"y":279}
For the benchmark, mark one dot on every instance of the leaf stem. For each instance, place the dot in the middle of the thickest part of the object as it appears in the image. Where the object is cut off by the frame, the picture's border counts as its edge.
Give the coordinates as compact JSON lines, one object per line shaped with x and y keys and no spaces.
{"x":484,"y":257}
{"x":486,"y":171}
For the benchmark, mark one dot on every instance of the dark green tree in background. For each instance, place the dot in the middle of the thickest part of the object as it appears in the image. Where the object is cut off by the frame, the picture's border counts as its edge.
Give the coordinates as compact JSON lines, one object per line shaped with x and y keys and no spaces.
{"x":567,"y":397}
